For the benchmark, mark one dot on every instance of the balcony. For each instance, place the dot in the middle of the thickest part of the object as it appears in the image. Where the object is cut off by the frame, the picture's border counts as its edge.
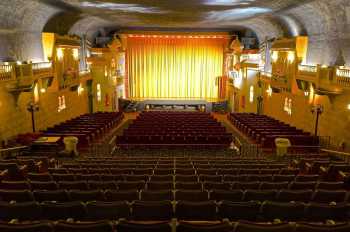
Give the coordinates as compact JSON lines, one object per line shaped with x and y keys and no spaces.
{"x":20,"y":78}
{"x":25,"y":72}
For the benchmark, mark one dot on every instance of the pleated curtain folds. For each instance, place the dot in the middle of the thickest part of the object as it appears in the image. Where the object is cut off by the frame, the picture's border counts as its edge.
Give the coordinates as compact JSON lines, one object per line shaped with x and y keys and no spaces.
{"x":174,"y":68}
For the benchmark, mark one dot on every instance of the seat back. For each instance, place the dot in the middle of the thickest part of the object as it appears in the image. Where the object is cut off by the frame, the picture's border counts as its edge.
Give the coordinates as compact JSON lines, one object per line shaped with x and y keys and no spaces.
{"x":166,"y":195}
{"x":202,"y":211}
{"x":250,"y":227}
{"x":27,"y":227}
{"x":107,"y":210}
{"x":16,"y":195}
{"x":191,"y":195}
{"x":152,"y":210}
{"x":117,"y":195}
{"x":239,"y":210}
{"x":127,"y":226}
{"x":51,"y":195}
{"x":101,"y":226}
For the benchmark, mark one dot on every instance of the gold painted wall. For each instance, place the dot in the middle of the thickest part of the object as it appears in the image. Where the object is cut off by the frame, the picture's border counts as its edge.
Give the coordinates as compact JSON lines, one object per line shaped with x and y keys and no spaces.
{"x":15,"y":119}
{"x":101,"y":75}
{"x":334,"y":122}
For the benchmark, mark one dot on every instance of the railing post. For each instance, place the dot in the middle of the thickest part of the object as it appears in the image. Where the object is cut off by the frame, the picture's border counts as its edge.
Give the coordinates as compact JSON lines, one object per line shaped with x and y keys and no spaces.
{"x":334,"y":75}
{"x":13,"y":71}
{"x":318,"y":75}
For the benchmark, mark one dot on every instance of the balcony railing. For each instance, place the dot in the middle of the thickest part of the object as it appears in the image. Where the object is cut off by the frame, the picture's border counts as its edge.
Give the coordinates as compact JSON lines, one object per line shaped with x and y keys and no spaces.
{"x":343,"y":77}
{"x":6,"y":72}
{"x":40,"y":68}
{"x":13,"y":71}
{"x":307,"y":68}
{"x":342,"y":72}
{"x":266,"y":74}
{"x":24,"y":70}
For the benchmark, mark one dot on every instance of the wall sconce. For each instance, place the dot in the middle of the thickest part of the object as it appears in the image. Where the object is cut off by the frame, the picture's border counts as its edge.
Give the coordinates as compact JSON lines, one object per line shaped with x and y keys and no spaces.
{"x":98,"y":92}
{"x":80,"y":89}
{"x":348,"y":107}
{"x":291,"y":57}
{"x":36,"y":93}
{"x":43,"y":90}
{"x":269,"y":91}
{"x":33,"y":107}
{"x":76,"y":54}
{"x":106,"y":73}
{"x":251,"y":94}
{"x":306,"y":93}
{"x":19,"y":62}
{"x":290,"y":106}
{"x":318,"y":110}
{"x":274,"y":56}
{"x":59,"y":53}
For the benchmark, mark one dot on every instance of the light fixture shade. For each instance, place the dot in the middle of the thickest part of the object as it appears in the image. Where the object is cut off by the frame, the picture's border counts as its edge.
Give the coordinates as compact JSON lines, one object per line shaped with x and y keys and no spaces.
{"x":48,"y":42}
{"x":36,"y":93}
{"x":59,"y":53}
{"x":76,"y":54}
{"x":291,"y":57}
{"x":274,"y":56}
{"x":269,"y":91}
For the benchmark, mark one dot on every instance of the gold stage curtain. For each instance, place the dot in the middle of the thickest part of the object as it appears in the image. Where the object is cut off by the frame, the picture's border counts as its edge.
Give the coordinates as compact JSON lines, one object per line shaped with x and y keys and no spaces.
{"x":174,"y":67}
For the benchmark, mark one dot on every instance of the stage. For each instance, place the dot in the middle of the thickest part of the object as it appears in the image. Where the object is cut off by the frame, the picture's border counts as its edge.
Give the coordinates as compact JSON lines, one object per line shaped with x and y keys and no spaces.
{"x":181,"y":104}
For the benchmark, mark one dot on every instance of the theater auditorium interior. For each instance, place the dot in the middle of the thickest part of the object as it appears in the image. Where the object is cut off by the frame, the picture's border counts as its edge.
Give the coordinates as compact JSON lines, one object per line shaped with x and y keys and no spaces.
{"x":175,"y":116}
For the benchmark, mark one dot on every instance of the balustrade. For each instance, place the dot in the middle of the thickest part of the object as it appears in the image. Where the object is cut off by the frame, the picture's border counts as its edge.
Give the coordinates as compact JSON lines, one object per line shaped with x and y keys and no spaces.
{"x":307,"y":69}
{"x":343,"y":77}
{"x":6,"y":72}
{"x":17,"y":71}
{"x":24,"y":70}
{"x":42,"y":67}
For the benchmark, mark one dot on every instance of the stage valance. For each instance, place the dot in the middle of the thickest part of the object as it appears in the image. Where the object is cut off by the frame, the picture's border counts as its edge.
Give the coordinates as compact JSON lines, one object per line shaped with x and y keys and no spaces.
{"x":160,"y":67}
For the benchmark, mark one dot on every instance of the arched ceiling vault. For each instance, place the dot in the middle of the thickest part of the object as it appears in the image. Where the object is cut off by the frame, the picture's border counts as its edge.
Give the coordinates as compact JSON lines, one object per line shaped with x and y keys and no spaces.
{"x":327,"y":23}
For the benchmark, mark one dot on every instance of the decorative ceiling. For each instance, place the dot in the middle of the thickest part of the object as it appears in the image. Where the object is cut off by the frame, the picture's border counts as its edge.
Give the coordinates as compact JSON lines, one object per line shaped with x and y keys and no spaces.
{"x":179,"y":13}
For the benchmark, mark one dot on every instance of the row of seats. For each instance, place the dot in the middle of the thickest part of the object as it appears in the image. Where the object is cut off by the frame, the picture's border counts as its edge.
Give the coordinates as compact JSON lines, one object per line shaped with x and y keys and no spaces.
{"x":166,"y":210}
{"x":318,"y":196}
{"x":181,"y":226}
{"x":173,"y":129}
{"x":264,"y":130}
{"x":87,"y":127}
{"x":170,"y":156}
{"x":164,"y":185}
{"x":228,"y":164}
{"x":166,"y":176}
{"x":17,"y":169}
{"x":171,"y":171}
